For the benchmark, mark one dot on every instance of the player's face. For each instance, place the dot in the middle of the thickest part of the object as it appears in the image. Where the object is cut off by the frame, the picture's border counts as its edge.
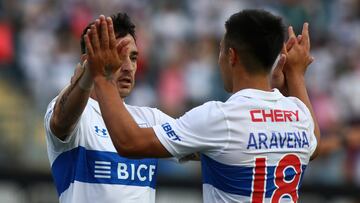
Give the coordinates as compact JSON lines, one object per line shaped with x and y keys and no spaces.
{"x":125,"y":76}
{"x":225,"y":67}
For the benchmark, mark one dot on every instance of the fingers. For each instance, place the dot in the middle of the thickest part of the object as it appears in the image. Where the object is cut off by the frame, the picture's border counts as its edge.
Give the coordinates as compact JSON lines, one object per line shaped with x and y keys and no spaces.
{"x":122,"y":47}
{"x":104,"y":41}
{"x":299,"y":38}
{"x":94,"y":38}
{"x":290,"y":43}
{"x":112,"y":37}
{"x":89,"y":48}
{"x":97,"y":25}
{"x":291,"y":33}
{"x":124,"y":42}
{"x":305,"y":36}
{"x":83,"y":58}
{"x":78,"y":68}
{"x":310,"y":60}
{"x":280,"y":64}
{"x":283,"y":49}
{"x":277,"y":76}
{"x":99,"y":35}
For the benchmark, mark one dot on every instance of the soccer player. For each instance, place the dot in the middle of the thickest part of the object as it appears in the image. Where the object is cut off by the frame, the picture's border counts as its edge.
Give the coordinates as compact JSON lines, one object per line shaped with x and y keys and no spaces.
{"x":256,"y":145}
{"x":84,"y":163}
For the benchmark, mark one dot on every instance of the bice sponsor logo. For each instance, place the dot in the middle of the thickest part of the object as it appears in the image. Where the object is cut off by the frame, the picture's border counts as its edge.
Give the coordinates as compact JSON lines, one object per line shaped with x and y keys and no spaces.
{"x":274,"y":115}
{"x":141,"y":172}
{"x":102,"y":169}
{"x":124,"y":171}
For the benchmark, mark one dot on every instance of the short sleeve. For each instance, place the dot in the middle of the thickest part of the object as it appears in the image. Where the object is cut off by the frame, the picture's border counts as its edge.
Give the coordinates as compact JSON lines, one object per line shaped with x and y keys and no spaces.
{"x":313,"y":141}
{"x":203,"y":129}
{"x":161,"y":117}
{"x":53,"y":142}
{"x":151,"y":116}
{"x":311,"y":124}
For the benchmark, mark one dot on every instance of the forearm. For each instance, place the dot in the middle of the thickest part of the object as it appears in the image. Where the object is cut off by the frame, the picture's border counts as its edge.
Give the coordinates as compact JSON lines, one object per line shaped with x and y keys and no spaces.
{"x":297,"y":88}
{"x":120,"y":124}
{"x":70,"y":104}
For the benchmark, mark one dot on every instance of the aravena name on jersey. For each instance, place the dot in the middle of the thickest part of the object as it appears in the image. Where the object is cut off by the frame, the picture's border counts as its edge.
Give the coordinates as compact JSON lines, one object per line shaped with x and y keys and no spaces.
{"x":276,"y":139}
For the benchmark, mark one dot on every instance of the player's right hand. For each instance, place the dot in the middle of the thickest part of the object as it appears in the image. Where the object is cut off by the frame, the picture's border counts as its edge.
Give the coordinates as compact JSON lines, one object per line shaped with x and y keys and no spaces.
{"x":103,"y":57}
{"x":298,"y":58}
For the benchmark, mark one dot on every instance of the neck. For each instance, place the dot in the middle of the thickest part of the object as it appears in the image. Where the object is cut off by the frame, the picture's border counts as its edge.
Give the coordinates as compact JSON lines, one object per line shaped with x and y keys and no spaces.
{"x":94,"y":96}
{"x":245,"y":81}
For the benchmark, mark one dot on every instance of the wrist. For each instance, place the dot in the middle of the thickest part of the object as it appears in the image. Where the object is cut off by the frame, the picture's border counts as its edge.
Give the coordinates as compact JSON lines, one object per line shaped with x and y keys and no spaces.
{"x":294,"y":75}
{"x":100,"y":79}
{"x":295,"y":82}
{"x":86,"y":82}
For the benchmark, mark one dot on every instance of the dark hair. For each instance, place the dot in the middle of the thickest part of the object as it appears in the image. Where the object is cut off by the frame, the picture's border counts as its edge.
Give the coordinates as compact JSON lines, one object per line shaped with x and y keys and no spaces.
{"x":122,"y":27}
{"x":257,"y":36}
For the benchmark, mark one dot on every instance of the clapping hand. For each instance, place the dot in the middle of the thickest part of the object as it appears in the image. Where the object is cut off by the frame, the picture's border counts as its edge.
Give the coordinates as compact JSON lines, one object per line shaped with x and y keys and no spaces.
{"x":294,"y":59}
{"x":105,"y":53}
{"x":298,"y":57}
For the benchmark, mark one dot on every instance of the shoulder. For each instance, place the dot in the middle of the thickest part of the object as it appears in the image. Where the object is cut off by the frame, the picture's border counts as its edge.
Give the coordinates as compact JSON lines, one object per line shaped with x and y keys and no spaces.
{"x":141,"y":110}
{"x":49,"y":110}
{"x":209,"y":114}
{"x":205,"y":109}
{"x":298,"y":104}
{"x":145,"y":109}
{"x":151,"y":116}
{"x":302,"y":108}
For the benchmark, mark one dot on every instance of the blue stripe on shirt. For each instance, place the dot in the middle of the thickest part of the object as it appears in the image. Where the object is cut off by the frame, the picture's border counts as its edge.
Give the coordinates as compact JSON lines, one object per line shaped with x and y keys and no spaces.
{"x":91,"y":166}
{"x":236,"y":179}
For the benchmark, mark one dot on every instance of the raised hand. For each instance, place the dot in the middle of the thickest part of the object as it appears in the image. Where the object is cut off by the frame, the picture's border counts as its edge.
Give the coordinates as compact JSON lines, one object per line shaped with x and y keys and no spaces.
{"x":298,"y":58}
{"x":294,"y":59}
{"x":277,"y":76}
{"x":278,"y":79}
{"x":102,"y":49}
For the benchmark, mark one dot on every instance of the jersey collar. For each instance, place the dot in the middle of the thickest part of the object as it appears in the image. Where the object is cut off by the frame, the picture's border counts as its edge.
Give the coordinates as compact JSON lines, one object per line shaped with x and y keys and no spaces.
{"x":258,"y":94}
{"x":95,"y":105}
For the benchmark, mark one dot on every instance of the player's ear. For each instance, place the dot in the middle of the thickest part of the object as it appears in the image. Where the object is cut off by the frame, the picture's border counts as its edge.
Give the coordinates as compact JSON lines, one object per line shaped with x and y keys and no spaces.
{"x":83,"y":57}
{"x":232,"y":56}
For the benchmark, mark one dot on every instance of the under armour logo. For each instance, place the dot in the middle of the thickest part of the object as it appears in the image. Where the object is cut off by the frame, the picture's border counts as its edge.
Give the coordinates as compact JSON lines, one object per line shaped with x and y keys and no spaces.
{"x":101,"y":132}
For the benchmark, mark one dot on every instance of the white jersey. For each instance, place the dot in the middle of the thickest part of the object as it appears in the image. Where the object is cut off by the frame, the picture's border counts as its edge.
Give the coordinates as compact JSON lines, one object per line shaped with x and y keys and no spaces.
{"x":86,"y":167}
{"x":255,"y":146}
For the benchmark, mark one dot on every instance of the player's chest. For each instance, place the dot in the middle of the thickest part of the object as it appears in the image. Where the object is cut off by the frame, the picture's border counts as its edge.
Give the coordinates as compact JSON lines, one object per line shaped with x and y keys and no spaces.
{"x":97,"y":136}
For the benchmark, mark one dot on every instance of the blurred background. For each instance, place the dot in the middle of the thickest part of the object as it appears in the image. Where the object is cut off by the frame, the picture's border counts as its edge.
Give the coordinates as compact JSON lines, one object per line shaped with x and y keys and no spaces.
{"x":177,"y":69}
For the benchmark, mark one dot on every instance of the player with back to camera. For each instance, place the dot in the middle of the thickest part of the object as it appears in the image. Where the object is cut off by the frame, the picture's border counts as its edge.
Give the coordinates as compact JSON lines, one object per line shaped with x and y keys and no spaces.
{"x":255,"y":146}
{"x":84,"y":162}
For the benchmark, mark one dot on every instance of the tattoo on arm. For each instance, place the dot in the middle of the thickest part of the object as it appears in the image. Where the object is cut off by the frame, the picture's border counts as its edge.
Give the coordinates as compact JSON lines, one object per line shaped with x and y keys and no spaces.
{"x":65,"y":96}
{"x":63,"y":100}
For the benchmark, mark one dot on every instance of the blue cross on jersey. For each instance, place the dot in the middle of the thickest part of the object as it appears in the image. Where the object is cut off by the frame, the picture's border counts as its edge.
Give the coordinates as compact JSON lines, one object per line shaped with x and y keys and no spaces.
{"x":101,"y":132}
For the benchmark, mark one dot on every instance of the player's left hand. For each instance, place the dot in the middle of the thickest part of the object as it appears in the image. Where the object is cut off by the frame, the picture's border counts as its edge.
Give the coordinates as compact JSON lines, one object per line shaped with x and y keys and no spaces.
{"x":278,"y":79}
{"x":277,"y":76}
{"x":103,"y":57}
